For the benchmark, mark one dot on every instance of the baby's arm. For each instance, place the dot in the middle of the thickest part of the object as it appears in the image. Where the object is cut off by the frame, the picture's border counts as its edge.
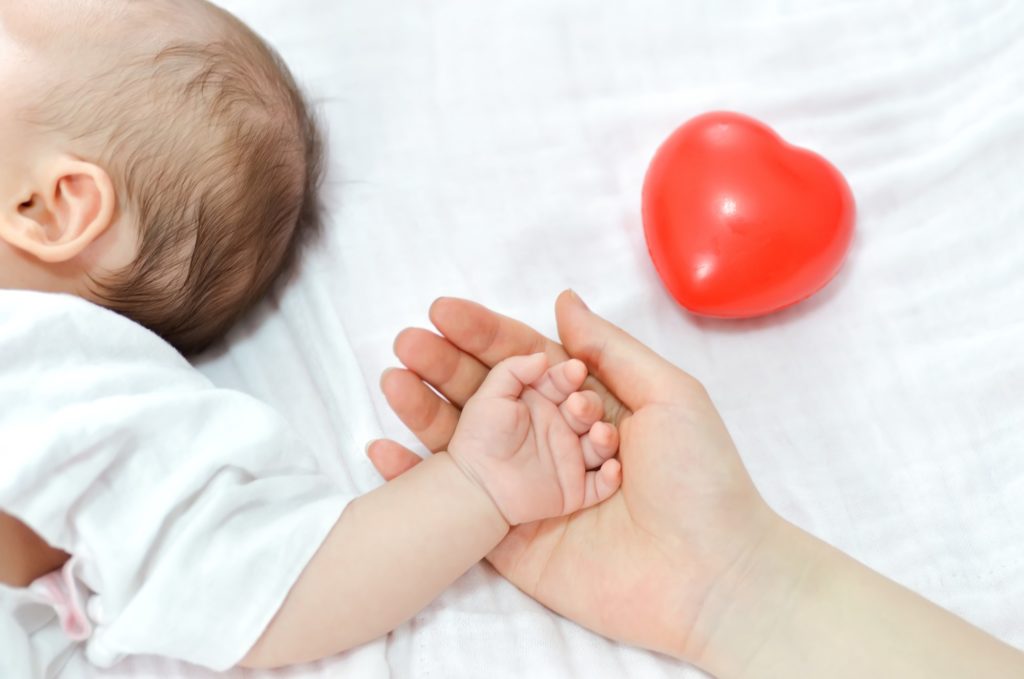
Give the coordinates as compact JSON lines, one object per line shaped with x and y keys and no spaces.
{"x":24,"y":556}
{"x":519,"y":454}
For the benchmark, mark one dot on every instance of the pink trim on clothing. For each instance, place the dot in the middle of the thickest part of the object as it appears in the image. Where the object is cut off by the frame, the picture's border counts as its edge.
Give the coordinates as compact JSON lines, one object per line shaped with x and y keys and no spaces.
{"x":62,"y":590}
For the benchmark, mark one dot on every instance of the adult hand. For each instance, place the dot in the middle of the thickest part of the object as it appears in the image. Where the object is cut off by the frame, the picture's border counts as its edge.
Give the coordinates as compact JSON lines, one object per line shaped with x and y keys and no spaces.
{"x":687,"y":558}
{"x":638,"y":567}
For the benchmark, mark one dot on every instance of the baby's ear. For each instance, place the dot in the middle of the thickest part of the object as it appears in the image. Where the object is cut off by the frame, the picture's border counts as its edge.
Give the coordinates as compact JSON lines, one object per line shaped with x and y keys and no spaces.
{"x":67,"y":207}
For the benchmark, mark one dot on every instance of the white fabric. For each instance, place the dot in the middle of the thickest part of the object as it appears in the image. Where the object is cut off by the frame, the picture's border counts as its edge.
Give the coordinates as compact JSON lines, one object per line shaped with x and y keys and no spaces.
{"x":496,"y":150}
{"x":190,"y":510}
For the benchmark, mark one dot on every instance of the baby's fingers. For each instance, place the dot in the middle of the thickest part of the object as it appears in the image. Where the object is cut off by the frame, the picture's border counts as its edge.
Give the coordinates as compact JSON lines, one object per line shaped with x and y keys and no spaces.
{"x":581,"y":410}
{"x":510,"y":377}
{"x":602,"y":484}
{"x":599,"y":445}
{"x":561,"y":380}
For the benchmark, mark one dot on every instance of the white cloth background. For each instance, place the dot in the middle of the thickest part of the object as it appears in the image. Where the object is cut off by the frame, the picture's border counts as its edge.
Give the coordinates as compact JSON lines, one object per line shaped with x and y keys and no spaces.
{"x":496,"y":151}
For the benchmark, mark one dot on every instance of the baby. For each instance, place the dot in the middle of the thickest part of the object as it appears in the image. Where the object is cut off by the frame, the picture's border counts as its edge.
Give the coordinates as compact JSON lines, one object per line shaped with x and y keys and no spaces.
{"x":156,"y":157}
{"x":158,"y":162}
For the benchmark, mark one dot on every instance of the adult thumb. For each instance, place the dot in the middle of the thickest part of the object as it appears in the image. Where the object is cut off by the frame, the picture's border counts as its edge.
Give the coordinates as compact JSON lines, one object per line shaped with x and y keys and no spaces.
{"x":632,"y":371}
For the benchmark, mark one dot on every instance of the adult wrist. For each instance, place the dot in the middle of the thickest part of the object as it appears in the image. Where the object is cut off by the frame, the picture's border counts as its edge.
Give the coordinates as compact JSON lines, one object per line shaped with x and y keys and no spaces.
{"x":799,"y":607}
{"x":747,"y":602}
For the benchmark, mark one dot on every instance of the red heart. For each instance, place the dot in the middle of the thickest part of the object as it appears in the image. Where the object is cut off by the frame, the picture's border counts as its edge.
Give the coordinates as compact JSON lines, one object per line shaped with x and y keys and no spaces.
{"x":738,"y":222}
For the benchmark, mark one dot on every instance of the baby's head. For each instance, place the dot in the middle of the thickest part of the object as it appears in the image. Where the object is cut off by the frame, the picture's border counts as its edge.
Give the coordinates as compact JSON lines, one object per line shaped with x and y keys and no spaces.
{"x":156,"y":157}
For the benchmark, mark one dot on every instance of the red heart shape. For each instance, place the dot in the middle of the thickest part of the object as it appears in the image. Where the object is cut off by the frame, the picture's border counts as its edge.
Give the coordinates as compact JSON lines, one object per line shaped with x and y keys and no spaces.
{"x":738,"y":222}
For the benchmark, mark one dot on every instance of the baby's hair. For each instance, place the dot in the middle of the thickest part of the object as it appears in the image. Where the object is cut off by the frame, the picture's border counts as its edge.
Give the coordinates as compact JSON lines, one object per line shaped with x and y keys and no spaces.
{"x":217,"y":160}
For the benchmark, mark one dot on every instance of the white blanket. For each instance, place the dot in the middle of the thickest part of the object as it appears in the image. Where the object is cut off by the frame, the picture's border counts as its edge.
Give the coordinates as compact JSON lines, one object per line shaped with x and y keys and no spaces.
{"x":496,"y":151}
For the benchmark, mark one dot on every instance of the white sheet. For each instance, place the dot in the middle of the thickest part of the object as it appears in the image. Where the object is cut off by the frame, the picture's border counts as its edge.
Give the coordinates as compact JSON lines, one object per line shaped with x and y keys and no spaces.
{"x":496,"y":151}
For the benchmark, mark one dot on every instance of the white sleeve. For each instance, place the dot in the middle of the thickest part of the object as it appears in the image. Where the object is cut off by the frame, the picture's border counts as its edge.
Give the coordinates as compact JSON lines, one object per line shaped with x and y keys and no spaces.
{"x":193,"y":510}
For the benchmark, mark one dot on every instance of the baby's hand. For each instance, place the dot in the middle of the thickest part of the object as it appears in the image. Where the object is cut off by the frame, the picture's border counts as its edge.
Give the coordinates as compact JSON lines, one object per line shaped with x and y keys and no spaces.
{"x":528,"y":437}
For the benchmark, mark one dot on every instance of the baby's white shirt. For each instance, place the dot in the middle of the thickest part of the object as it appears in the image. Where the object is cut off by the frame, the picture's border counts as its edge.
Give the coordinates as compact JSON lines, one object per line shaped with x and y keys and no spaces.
{"x":190,"y":511}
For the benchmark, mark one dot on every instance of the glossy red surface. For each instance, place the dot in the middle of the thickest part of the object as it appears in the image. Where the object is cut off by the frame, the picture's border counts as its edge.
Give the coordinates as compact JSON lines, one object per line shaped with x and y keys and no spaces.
{"x":738,"y":222}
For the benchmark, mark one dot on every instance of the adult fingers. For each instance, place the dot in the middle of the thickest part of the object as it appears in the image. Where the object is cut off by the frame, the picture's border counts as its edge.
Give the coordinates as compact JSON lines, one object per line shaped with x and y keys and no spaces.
{"x":631,"y":370}
{"x":490,"y":337}
{"x":391,"y":458}
{"x":444,"y":366}
{"x":487,"y":335}
{"x":427,"y":415}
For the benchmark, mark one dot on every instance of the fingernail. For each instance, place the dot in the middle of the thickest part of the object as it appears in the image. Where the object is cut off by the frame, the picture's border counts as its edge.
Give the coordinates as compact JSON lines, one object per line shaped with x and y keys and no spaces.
{"x":366,"y":450}
{"x":579,"y":299}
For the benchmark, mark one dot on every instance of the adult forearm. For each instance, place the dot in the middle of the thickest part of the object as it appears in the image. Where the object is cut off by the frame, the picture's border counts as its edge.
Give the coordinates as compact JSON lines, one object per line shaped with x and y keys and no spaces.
{"x":392,"y":551}
{"x":799,"y":607}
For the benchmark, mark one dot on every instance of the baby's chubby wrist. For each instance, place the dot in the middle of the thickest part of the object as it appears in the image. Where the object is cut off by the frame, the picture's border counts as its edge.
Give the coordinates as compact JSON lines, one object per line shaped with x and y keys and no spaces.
{"x":461,"y":460}
{"x":464,"y":484}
